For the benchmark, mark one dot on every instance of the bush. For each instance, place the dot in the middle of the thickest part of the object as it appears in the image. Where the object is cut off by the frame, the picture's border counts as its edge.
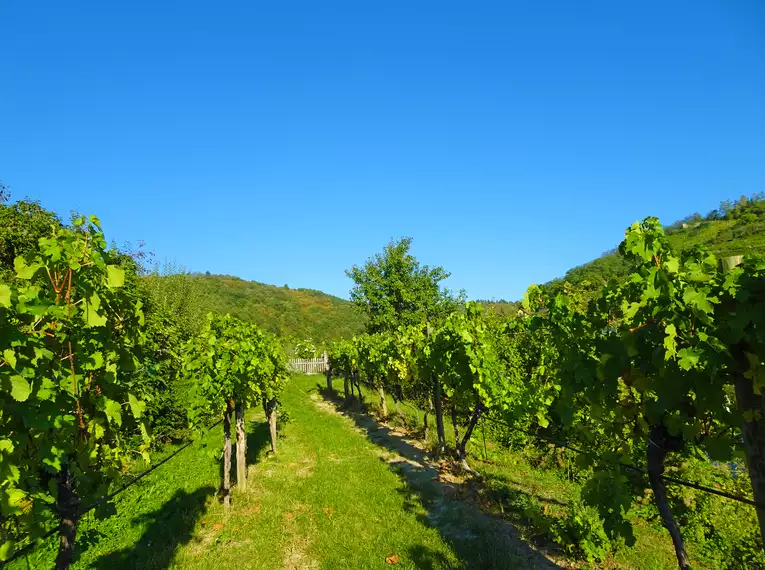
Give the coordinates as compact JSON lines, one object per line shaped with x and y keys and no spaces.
{"x":581,"y":532}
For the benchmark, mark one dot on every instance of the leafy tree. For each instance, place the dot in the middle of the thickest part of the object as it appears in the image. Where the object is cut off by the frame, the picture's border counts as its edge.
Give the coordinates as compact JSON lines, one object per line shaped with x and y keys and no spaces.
{"x":22,"y":224}
{"x":392,"y":289}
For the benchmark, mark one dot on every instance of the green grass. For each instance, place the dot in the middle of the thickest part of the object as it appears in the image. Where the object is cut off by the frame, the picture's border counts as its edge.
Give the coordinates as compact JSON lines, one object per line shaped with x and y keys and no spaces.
{"x":343,"y":492}
{"x":330,"y":499}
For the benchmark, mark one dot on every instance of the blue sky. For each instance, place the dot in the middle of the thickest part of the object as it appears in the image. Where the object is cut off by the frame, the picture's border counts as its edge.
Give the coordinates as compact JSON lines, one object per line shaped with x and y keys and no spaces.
{"x":285,"y":141}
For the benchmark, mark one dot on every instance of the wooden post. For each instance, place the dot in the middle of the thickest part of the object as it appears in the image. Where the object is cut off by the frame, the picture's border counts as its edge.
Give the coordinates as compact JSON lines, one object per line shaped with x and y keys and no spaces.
{"x":438,"y":404}
{"x":241,"y":449}
{"x":383,"y":402}
{"x":226,"y":487}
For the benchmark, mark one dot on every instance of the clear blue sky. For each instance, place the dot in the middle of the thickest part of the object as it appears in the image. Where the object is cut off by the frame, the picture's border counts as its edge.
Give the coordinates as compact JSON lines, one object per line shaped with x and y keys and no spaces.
{"x":285,"y":141}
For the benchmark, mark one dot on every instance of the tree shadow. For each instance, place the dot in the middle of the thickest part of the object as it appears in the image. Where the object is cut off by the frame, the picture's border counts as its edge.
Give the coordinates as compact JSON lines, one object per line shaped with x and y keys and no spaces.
{"x":168,"y":527}
{"x":479,"y":539}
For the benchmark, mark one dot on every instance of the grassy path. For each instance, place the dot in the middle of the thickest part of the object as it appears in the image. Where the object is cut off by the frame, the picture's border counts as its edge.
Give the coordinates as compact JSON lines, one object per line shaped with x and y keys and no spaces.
{"x":333,"y":498}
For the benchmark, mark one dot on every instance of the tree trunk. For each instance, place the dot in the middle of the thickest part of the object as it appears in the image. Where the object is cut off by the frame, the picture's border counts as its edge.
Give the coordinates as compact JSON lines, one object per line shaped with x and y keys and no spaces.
{"x":455,"y":426}
{"x":439,"y":418}
{"x":462,"y":444}
{"x":68,"y":506}
{"x":346,"y":388}
{"x":383,"y":402}
{"x":270,"y":407}
{"x":241,"y":449}
{"x":754,"y":440}
{"x":226,"y":487}
{"x":425,"y":425}
{"x":658,"y":444}
{"x":329,"y":381}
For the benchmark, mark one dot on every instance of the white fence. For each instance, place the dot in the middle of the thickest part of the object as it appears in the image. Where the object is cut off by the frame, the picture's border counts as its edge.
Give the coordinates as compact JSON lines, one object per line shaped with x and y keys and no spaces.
{"x":310,"y":365}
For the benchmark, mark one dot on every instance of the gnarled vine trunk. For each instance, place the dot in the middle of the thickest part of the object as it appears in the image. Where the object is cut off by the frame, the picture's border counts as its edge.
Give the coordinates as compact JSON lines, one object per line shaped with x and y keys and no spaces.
{"x":67,"y":506}
{"x":455,"y":425}
{"x":753,"y":433}
{"x":241,"y":449}
{"x":439,"y":410}
{"x":462,"y":443}
{"x":660,"y":442}
{"x":346,"y":388}
{"x":226,"y":486}
{"x":269,"y":407}
{"x":329,"y":380}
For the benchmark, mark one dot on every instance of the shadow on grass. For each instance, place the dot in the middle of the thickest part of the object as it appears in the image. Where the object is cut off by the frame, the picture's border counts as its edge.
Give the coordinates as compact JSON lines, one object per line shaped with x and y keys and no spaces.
{"x":479,"y":539}
{"x":167,"y":528}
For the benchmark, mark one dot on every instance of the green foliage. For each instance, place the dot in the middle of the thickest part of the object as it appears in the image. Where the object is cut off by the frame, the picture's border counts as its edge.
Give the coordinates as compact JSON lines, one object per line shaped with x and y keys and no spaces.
{"x":233,"y":360}
{"x":392,"y":289}
{"x":69,"y":335}
{"x":22,"y":224}
{"x":581,"y":532}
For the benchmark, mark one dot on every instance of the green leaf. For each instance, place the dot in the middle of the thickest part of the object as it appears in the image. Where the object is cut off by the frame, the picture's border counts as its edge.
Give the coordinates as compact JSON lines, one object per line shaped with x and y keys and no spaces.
{"x":6,"y":549}
{"x":10,"y":357}
{"x":20,"y":388}
{"x":92,"y":318}
{"x":670,"y":344}
{"x":113,"y":411}
{"x":689,"y":358}
{"x":5,"y":295}
{"x":11,"y":503}
{"x":136,"y":406}
{"x":115,"y":276}
{"x":23,"y":270}
{"x":699,"y":300}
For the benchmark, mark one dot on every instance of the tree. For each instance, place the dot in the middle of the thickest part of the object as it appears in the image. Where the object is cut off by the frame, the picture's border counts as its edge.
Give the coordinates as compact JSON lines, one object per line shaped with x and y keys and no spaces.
{"x":392,"y":289}
{"x":22,"y":224}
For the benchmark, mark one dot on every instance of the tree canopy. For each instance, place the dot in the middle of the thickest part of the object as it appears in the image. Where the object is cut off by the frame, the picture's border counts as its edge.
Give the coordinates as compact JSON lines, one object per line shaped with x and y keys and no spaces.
{"x":392,"y":289}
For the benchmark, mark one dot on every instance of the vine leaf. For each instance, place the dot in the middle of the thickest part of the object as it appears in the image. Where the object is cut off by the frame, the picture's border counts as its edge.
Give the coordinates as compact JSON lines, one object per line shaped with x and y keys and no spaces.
{"x":115,"y":276}
{"x":20,"y":388}
{"x":5,"y":295}
{"x":136,"y":406}
{"x":23,"y":270}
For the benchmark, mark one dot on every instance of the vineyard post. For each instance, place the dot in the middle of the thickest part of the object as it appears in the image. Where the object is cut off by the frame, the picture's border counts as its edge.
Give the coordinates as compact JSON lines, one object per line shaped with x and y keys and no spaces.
{"x":437,"y":401}
{"x":383,"y":401}
{"x":226,"y":488}
{"x":241,"y":448}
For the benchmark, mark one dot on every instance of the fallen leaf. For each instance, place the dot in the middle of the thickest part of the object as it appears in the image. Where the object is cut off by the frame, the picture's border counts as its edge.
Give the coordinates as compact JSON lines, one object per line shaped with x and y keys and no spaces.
{"x":289,"y":516}
{"x":393,"y":559}
{"x":203,"y":522}
{"x":218,"y":526}
{"x":328,"y":511}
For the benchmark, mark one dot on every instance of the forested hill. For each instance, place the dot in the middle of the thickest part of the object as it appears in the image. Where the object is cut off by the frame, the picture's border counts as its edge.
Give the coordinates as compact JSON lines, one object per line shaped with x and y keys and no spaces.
{"x":299,"y":313}
{"x":735,"y":228}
